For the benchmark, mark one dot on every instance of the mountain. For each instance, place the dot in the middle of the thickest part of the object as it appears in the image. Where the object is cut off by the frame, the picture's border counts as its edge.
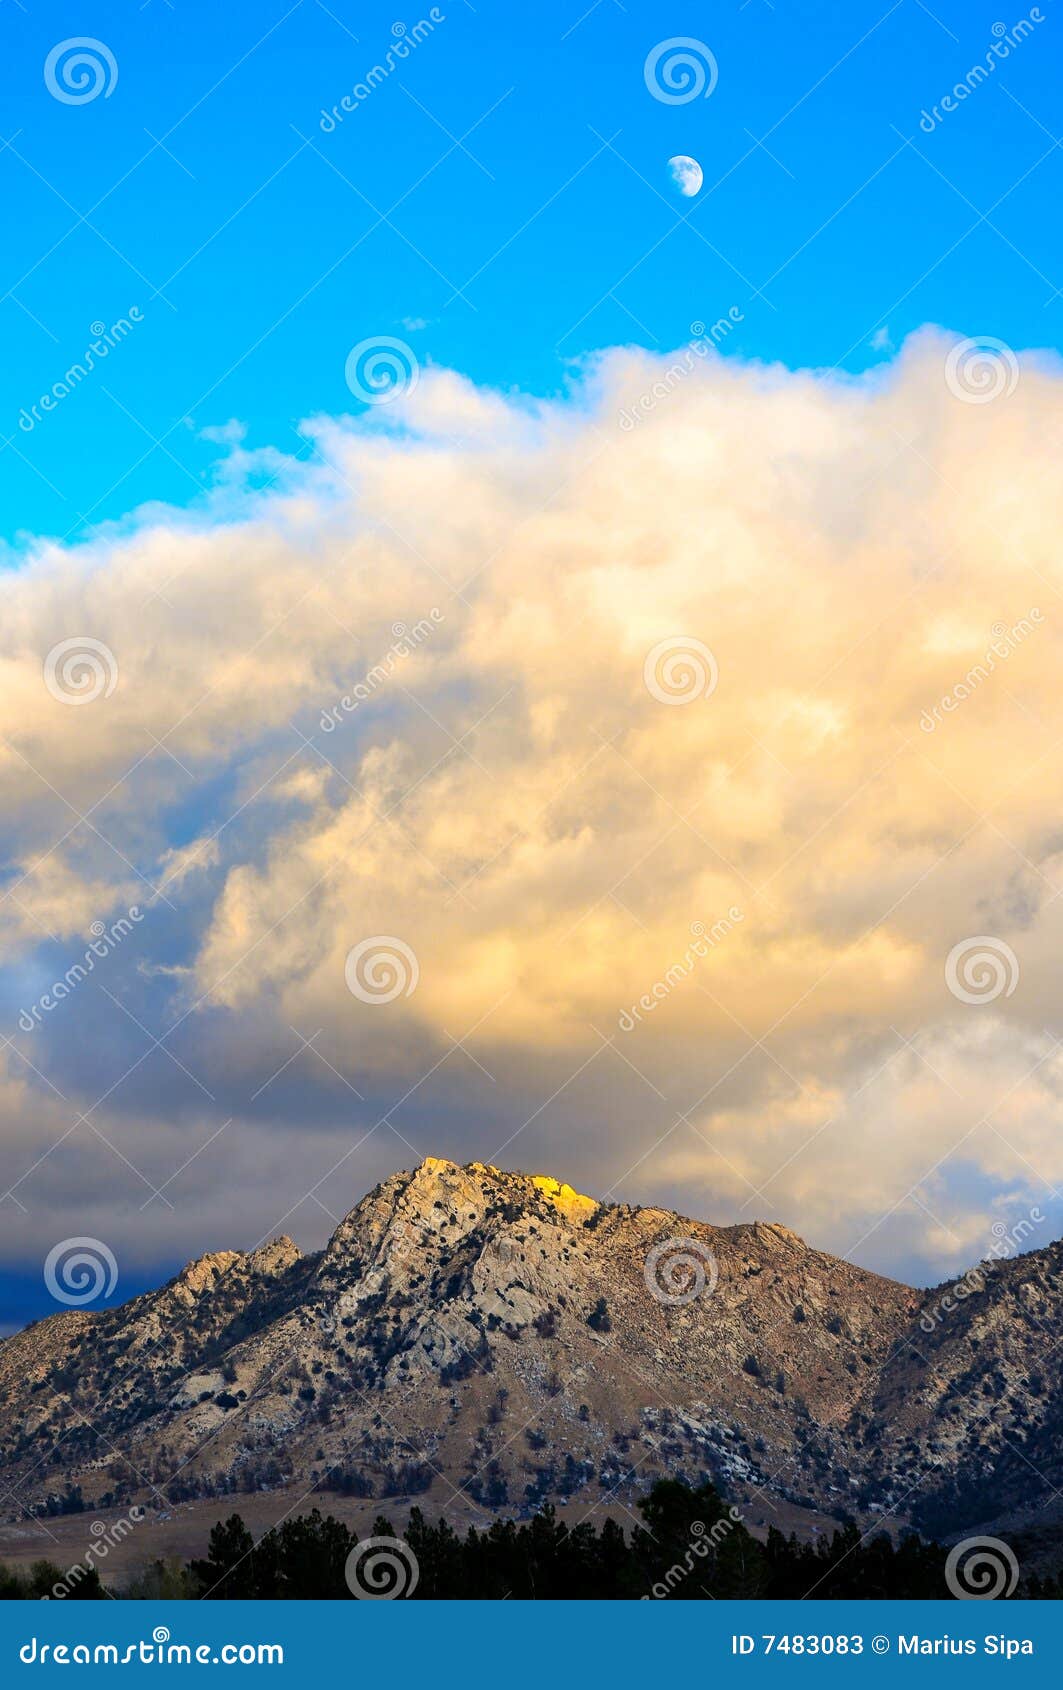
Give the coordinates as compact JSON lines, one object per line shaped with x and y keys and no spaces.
{"x":499,"y":1340}
{"x":965,"y":1423}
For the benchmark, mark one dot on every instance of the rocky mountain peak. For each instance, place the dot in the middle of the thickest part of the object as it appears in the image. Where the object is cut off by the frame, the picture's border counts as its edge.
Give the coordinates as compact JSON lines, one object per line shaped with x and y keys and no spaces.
{"x":203,"y":1273}
{"x":482,"y":1184}
{"x":571,"y":1204}
{"x":275,"y":1257}
{"x":505,"y":1337}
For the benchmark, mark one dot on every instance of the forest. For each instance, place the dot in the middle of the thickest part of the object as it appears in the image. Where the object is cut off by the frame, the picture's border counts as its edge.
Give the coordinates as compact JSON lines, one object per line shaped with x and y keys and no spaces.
{"x":691,"y":1546}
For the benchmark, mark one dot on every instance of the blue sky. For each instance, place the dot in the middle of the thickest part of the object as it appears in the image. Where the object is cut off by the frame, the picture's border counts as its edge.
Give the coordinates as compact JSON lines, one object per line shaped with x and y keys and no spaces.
{"x":501,"y":202}
{"x":260,"y":249}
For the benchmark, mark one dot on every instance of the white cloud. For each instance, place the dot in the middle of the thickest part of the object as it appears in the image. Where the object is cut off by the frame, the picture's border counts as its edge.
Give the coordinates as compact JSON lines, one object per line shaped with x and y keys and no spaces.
{"x":512,"y":800}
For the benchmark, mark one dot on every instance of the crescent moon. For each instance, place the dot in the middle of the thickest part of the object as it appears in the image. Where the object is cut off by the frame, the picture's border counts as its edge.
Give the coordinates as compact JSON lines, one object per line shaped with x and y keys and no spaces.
{"x":687,"y":174}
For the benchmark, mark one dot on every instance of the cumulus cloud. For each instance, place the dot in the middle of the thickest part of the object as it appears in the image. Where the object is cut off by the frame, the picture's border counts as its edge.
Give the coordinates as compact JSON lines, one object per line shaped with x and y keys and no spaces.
{"x":678,"y":731}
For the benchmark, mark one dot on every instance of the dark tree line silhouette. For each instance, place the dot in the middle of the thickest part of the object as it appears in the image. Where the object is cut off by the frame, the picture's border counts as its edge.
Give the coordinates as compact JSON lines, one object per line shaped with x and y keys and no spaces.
{"x":691,"y":1546}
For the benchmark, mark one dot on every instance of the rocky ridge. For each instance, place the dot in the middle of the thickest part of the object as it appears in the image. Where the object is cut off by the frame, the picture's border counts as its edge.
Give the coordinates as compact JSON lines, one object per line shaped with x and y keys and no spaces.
{"x":503,"y":1340}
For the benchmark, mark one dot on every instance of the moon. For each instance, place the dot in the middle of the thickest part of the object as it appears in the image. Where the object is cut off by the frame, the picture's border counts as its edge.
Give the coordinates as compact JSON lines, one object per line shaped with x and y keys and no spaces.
{"x":687,"y":175}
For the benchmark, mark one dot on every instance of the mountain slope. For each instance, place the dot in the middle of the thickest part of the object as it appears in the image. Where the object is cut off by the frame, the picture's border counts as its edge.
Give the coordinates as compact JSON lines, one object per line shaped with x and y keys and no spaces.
{"x":968,"y":1409}
{"x":468,"y":1332}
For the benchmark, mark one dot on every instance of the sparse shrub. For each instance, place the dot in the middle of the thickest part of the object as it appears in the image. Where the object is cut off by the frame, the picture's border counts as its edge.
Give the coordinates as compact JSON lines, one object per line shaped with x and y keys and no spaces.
{"x":598,"y":1319}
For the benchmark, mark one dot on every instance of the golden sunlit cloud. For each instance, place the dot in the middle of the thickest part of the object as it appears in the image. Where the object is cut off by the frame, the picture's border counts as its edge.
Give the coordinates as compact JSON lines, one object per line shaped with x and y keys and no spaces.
{"x":680,"y":729}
